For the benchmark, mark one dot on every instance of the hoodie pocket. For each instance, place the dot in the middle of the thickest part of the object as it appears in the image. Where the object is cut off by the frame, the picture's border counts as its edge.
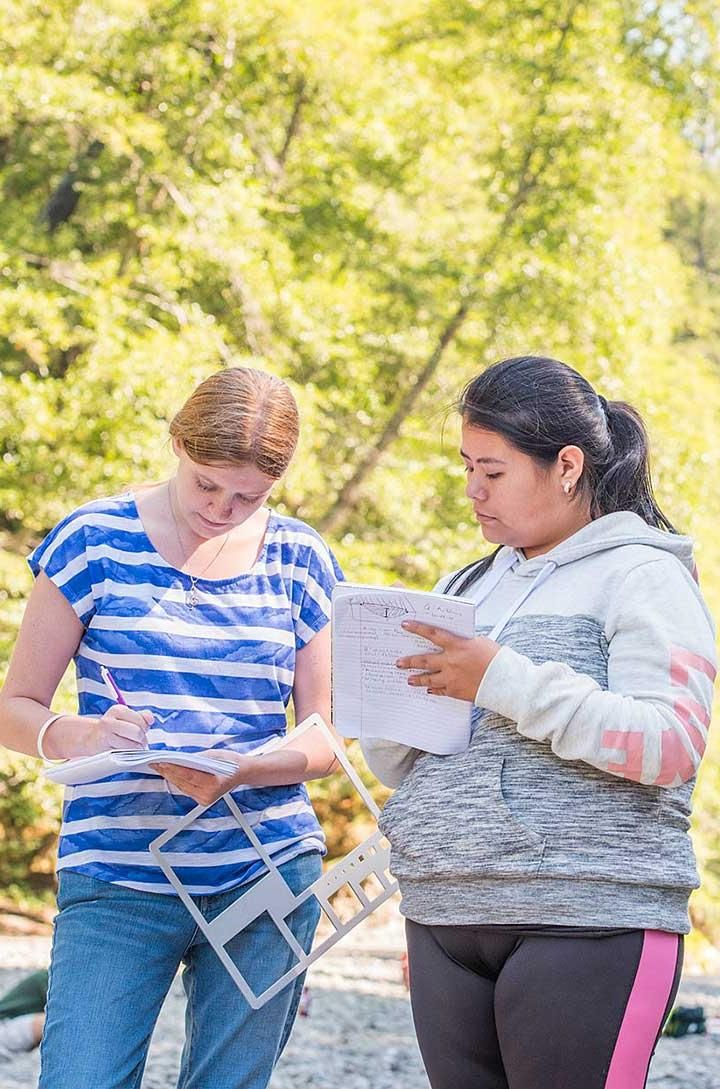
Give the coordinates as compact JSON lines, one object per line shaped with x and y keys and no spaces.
{"x":450,"y":818}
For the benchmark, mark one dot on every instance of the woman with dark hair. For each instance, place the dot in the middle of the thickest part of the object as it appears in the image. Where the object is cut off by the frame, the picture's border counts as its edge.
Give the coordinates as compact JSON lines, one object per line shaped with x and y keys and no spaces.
{"x":546,"y":871}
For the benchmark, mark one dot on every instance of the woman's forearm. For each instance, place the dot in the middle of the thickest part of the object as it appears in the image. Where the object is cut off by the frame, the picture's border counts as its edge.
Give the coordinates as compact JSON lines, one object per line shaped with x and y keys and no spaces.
{"x":21,"y":719}
{"x":295,"y":760}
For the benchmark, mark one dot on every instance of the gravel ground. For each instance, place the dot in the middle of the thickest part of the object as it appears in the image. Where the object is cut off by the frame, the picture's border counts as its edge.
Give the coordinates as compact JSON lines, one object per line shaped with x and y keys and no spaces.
{"x":359,"y":1032}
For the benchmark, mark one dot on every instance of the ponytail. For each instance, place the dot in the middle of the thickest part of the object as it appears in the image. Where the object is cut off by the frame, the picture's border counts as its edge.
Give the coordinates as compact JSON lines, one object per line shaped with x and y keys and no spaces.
{"x":623,"y":482}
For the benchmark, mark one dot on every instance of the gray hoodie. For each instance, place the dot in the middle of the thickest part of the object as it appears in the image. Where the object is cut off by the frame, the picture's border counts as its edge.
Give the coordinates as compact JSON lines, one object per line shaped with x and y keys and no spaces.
{"x":571,"y":805}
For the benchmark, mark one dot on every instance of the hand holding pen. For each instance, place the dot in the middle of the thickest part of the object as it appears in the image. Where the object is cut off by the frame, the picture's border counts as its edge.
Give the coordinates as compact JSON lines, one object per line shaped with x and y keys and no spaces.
{"x":120,"y":727}
{"x":85,"y":735}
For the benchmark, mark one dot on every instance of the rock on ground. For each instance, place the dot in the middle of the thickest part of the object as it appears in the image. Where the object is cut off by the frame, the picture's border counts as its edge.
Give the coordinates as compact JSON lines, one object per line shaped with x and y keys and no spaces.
{"x":359,"y":1033}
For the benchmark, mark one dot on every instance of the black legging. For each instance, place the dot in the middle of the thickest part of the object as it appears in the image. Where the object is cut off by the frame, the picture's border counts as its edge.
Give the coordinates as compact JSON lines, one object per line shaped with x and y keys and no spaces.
{"x":502,"y":1008}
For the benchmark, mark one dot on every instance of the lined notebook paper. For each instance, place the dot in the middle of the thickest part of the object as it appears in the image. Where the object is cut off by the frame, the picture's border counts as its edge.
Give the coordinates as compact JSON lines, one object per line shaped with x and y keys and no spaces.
{"x":371,"y":696}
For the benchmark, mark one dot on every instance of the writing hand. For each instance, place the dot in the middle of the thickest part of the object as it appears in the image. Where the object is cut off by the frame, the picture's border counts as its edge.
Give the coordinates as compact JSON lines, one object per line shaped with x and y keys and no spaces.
{"x":455,"y":668}
{"x":122,"y":728}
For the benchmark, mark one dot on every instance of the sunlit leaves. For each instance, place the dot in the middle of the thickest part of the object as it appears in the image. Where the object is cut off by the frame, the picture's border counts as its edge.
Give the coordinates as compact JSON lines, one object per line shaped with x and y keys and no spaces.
{"x":317,"y":187}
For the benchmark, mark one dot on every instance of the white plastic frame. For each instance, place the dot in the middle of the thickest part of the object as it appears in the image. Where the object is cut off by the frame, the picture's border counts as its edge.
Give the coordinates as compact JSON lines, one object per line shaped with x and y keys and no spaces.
{"x":273,"y":895}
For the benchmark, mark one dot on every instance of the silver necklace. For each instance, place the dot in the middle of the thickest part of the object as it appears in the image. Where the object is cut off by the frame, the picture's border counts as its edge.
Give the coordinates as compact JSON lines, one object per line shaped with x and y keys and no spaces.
{"x":191,"y":595}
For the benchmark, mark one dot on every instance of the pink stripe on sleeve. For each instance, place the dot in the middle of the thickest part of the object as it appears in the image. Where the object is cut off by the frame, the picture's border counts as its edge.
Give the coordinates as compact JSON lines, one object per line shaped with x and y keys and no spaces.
{"x":644,"y":1012}
{"x":682,"y":661}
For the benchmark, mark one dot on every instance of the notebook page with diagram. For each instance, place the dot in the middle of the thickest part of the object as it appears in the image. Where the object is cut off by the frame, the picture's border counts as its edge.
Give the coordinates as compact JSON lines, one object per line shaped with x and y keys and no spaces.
{"x":371,"y":696}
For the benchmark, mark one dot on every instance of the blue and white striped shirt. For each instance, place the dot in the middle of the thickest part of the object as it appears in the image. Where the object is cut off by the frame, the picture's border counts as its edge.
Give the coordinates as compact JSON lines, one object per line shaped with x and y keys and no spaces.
{"x":218,"y":675}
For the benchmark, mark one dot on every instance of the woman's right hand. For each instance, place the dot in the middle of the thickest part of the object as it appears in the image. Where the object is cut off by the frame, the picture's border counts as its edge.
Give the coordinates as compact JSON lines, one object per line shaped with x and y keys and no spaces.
{"x":84,"y":735}
{"x":122,"y":728}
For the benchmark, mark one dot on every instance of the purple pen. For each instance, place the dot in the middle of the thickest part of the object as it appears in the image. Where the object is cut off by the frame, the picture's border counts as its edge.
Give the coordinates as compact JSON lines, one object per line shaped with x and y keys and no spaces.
{"x":112,"y":685}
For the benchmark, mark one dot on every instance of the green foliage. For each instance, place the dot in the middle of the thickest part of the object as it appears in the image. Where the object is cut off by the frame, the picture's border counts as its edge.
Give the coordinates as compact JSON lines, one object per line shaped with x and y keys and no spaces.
{"x":374,"y":201}
{"x":28,"y":825}
{"x":341,"y":812}
{"x":29,"y":803}
{"x":705,"y":904}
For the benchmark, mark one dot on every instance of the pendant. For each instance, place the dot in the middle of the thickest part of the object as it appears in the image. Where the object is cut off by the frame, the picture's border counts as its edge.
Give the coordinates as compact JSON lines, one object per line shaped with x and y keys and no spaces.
{"x":191,"y":596}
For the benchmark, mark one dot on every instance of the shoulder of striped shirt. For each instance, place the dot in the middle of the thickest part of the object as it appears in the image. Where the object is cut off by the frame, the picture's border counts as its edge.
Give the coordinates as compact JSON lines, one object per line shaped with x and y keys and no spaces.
{"x":100,"y":513}
{"x":297,"y":528}
{"x":301,"y":534}
{"x":111,"y":513}
{"x":109,"y":504}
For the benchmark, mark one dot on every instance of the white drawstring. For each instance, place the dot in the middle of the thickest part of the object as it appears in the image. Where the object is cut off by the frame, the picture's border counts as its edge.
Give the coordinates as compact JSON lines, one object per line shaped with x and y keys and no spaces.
{"x":496,"y":574}
{"x":539,"y":579}
{"x":492,"y":577}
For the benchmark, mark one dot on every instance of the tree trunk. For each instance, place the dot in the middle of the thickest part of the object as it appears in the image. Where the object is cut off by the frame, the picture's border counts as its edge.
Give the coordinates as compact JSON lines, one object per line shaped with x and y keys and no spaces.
{"x":336,"y":515}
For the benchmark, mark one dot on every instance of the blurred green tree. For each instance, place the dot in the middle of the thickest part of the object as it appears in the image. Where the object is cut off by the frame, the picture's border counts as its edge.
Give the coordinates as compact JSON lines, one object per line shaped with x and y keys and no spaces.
{"x":374,"y":201}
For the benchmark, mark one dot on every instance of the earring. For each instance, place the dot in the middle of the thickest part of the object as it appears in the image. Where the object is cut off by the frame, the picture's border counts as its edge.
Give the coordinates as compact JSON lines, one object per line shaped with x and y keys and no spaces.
{"x":568,"y":487}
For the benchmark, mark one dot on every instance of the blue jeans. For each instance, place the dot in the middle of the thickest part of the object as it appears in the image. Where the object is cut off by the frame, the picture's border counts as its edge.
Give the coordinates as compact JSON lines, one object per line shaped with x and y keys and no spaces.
{"x":115,"y":954}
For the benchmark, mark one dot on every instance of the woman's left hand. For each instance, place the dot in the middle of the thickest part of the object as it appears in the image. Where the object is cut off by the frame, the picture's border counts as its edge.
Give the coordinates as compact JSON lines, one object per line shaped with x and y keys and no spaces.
{"x":455,"y":668}
{"x":203,"y":786}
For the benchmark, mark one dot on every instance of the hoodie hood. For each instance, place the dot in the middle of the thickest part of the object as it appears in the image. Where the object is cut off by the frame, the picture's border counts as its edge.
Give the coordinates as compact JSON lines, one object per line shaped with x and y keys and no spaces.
{"x":606,"y":533}
{"x":601,"y":535}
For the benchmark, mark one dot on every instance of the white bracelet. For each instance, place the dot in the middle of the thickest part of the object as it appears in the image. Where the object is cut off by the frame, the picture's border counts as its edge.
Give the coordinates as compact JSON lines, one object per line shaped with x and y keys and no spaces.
{"x":41,"y":736}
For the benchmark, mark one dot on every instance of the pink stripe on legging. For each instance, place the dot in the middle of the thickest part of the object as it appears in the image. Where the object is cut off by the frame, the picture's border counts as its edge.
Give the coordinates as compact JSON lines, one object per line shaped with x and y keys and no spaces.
{"x":644,"y":1011}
